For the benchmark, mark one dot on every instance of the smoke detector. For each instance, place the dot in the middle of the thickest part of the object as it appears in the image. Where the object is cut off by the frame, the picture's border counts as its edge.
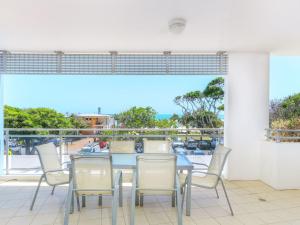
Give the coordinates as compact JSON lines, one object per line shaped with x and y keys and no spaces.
{"x":177,"y":25}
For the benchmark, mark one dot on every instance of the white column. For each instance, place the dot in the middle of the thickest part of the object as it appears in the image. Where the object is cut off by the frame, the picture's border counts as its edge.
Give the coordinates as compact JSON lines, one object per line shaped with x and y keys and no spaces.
{"x":246,"y":112}
{"x":1,"y":127}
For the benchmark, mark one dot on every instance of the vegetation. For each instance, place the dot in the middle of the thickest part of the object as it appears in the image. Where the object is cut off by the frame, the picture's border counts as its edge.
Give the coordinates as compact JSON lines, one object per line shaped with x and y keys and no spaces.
{"x":142,"y":117}
{"x":137,"y":117}
{"x":285,"y":113}
{"x":37,"y":118}
{"x":201,"y":108}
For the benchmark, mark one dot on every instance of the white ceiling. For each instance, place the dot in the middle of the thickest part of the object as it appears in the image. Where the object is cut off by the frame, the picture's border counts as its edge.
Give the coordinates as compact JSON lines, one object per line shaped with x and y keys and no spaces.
{"x":142,"y":25}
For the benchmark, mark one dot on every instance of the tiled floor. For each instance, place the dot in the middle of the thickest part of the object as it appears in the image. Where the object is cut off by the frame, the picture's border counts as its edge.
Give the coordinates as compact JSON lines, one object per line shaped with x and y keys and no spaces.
{"x":253,"y":202}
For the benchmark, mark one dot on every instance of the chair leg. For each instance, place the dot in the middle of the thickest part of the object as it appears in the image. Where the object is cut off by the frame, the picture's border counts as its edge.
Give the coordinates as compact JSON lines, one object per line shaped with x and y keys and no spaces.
{"x":137,"y":199}
{"x":141,"y":200}
{"x":78,"y":203}
{"x":100,"y":200}
{"x":179,"y":209}
{"x":36,"y":192}
{"x":83,"y":201}
{"x":217,"y":192}
{"x":52,"y":192}
{"x":133,"y":204}
{"x":114,"y":207}
{"x":226,"y":197}
{"x":121,"y":190}
{"x":68,"y":204}
{"x":183,"y":195}
{"x":72,"y":202}
{"x":173,"y":199}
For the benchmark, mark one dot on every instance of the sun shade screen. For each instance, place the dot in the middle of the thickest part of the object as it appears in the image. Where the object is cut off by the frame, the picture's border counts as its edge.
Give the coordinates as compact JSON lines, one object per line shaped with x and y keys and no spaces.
{"x":92,"y":175}
{"x":156,"y":173}
{"x":113,"y":63}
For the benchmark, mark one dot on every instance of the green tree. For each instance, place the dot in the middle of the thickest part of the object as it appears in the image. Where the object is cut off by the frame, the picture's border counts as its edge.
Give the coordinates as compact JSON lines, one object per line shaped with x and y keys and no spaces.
{"x":137,"y":117}
{"x":285,"y":113}
{"x":201,"y":108}
{"x":37,"y":118}
{"x":165,"y":123}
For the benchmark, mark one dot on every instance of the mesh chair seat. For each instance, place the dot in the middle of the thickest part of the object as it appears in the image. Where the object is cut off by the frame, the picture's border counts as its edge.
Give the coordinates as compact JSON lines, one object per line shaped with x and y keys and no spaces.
{"x":155,"y":146}
{"x":59,"y":177}
{"x":120,"y":147}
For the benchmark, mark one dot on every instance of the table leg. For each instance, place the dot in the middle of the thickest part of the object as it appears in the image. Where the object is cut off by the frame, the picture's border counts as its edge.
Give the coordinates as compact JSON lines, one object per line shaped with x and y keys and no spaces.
{"x":188,"y":193}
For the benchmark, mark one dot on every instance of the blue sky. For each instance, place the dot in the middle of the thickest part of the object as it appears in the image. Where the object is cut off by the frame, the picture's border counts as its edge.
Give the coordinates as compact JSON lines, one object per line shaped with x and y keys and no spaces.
{"x":113,"y":94}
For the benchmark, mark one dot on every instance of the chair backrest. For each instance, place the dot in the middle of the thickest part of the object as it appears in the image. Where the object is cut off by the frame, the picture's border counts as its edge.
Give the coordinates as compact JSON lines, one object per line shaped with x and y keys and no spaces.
{"x":157,"y":146}
{"x":49,"y":158}
{"x":156,"y":172}
{"x":122,"y":147}
{"x":218,"y":160}
{"x":92,"y":175}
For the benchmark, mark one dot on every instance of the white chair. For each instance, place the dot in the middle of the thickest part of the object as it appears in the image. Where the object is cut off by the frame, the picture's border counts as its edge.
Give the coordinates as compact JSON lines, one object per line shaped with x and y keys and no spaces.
{"x":155,"y":174}
{"x":122,"y":147}
{"x":93,"y":175}
{"x":53,"y":172}
{"x":212,"y":173}
{"x":157,"y":146}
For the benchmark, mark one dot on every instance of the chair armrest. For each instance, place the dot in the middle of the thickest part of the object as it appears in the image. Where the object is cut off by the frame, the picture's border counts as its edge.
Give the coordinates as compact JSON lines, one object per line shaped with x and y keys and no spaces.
{"x":52,"y":171}
{"x":206,"y":173}
{"x":67,"y":163}
{"x":117,"y":179}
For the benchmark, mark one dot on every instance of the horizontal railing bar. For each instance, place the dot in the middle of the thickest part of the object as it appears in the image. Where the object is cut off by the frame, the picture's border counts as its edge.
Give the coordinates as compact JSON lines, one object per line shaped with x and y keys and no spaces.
{"x":99,"y":135}
{"x":282,"y":130}
{"x":283,"y":137}
{"x":113,"y":129}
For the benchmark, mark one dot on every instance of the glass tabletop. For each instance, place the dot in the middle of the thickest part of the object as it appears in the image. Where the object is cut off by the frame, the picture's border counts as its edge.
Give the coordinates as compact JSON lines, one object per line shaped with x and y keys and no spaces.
{"x":128,"y":161}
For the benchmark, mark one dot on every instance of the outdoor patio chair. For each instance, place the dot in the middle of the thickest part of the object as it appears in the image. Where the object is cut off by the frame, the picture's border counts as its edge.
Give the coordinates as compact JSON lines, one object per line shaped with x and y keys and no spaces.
{"x":212,"y":174}
{"x":93,"y":176}
{"x":122,"y":147}
{"x":157,"y":146}
{"x":155,"y":174}
{"x":53,"y":171}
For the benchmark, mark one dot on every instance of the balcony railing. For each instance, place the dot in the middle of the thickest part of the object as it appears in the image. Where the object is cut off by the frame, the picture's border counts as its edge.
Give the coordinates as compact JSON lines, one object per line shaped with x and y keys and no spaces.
{"x":283,"y":135}
{"x":21,"y":158}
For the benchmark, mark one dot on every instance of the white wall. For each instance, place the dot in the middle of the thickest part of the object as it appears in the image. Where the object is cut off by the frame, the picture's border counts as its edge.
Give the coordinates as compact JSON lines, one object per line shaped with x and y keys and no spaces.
{"x":246,"y":112}
{"x":280,"y":167}
{"x":1,"y":125}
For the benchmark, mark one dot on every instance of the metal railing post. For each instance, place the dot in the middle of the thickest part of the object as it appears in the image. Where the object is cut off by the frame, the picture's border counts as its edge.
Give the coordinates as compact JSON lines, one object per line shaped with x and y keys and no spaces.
{"x":60,"y":147}
{"x":277,"y":137}
{"x":6,"y":137}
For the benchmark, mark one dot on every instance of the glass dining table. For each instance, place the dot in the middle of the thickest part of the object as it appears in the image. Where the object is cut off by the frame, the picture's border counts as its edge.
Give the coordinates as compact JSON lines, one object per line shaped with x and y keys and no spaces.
{"x":128,"y":161}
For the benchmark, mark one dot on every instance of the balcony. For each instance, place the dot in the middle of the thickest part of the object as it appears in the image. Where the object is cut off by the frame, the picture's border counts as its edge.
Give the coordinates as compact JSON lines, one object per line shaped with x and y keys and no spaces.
{"x":233,"y":39}
{"x":254,"y":202}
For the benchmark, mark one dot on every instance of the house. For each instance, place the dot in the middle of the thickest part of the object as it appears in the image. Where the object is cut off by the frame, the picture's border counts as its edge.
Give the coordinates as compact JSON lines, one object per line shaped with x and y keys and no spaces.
{"x":98,"y":120}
